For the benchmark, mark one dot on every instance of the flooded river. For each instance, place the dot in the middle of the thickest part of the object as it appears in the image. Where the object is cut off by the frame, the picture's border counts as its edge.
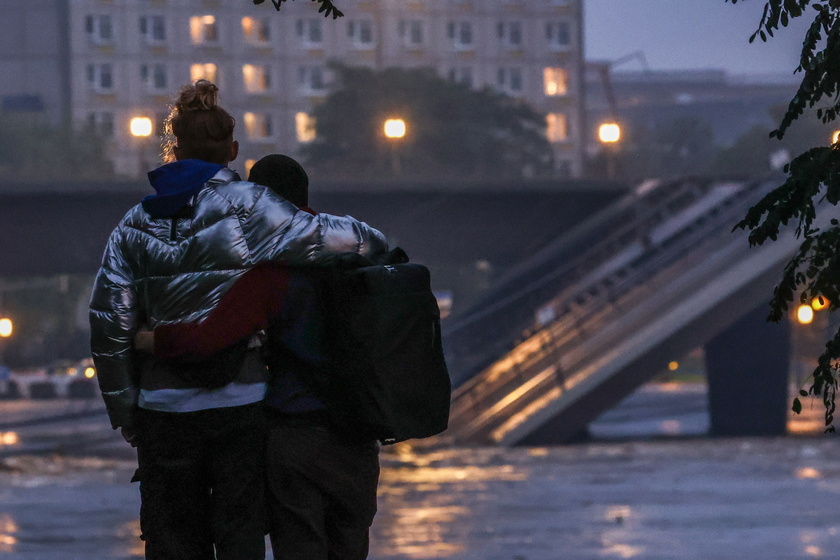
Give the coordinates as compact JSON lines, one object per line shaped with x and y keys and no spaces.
{"x":687,"y":497}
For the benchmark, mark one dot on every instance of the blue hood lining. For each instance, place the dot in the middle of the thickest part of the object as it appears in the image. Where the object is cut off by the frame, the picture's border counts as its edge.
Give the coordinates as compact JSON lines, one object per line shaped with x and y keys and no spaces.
{"x":175,"y":184}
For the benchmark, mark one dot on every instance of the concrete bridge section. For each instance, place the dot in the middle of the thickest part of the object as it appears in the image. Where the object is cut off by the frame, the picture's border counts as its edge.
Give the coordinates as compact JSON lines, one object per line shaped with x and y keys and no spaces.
{"x":663,"y":275}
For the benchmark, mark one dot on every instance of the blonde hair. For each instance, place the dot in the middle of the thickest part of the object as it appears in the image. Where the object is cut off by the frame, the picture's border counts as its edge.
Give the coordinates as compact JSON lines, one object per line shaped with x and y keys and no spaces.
{"x":198,"y":126}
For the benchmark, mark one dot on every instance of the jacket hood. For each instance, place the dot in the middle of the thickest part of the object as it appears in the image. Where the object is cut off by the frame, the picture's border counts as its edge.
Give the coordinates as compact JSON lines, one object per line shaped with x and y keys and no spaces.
{"x":175,"y":184}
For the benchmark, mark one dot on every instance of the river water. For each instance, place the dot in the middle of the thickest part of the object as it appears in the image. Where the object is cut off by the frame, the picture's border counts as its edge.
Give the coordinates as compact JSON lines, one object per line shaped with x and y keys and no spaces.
{"x":680,"y":497}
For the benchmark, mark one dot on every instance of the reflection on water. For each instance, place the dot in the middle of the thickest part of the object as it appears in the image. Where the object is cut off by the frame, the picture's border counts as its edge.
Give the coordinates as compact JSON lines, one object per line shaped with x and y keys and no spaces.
{"x":9,"y":438}
{"x":130,"y":543}
{"x":8,"y":530}
{"x":421,"y":515}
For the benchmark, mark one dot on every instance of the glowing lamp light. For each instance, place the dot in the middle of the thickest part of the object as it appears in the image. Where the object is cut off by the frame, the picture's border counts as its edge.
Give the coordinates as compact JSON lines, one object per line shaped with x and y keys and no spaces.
{"x":6,"y":328}
{"x":140,"y":126}
{"x":805,"y":314}
{"x":819,"y":303}
{"x":395,"y":128}
{"x":609,"y":133}
{"x":835,"y":137}
{"x":673,"y":366}
{"x":90,"y":372}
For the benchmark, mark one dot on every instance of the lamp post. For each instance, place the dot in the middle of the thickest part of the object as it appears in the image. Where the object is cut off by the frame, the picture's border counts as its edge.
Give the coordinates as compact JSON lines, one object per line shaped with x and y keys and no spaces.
{"x":141,"y":128}
{"x":609,"y":134}
{"x":395,"y":130}
{"x":6,"y":329}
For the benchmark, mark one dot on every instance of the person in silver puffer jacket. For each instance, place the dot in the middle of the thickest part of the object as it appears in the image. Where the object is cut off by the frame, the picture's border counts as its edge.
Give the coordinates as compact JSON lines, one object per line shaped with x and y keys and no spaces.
{"x":200,"y":449}
{"x":159,"y":269}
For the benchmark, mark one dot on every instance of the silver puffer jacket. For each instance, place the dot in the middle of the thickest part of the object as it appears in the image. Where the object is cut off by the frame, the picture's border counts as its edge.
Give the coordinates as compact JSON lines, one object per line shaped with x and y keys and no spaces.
{"x":162,"y":270}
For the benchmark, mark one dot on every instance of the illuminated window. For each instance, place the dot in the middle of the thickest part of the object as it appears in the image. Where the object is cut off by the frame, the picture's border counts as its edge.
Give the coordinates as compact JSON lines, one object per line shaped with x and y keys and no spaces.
{"x":256,"y":31}
{"x":304,"y":127}
{"x":555,"y":81}
{"x":461,"y":34}
{"x":510,"y":80}
{"x":154,"y":76}
{"x":153,"y":28}
{"x":203,"y":71}
{"x":411,"y":32}
{"x":257,"y":79}
{"x":558,"y":35}
{"x":360,"y":32}
{"x":203,"y":30}
{"x":510,"y":33}
{"x":310,"y":31}
{"x":257,"y":125}
{"x":99,"y":29}
{"x":557,"y":127}
{"x":311,"y":79}
{"x":100,"y":77}
{"x":249,"y":164}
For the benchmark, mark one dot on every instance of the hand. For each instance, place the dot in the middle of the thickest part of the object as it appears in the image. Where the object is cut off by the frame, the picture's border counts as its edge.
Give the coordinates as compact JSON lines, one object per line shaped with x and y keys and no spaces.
{"x":144,"y":340}
{"x":129,"y":435}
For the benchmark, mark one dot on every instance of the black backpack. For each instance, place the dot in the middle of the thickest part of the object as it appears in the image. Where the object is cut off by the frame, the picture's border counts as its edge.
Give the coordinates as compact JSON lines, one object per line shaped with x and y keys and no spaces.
{"x":388,"y":379}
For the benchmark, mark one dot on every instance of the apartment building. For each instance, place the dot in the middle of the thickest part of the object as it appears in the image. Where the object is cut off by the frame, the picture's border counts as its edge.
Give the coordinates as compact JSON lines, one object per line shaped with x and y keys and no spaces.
{"x":112,"y":61}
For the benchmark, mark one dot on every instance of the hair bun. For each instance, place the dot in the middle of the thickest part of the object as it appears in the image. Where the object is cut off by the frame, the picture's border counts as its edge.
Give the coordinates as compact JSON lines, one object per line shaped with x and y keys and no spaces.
{"x":202,"y":96}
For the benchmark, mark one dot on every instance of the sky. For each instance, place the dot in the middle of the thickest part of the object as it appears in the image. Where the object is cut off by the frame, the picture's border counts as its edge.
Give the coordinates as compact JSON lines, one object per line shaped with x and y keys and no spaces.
{"x":689,"y":34}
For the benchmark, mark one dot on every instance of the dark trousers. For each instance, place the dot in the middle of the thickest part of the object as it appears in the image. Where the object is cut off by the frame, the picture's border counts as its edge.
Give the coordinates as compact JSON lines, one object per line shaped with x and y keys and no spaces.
{"x":202,"y":483}
{"x":321,"y":491}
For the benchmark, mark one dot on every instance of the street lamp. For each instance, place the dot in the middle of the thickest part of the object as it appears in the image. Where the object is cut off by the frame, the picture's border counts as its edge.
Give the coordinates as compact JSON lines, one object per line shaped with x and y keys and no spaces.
{"x":6,"y":327}
{"x":609,"y":133}
{"x":141,"y":128}
{"x":395,"y":130}
{"x":835,"y":137}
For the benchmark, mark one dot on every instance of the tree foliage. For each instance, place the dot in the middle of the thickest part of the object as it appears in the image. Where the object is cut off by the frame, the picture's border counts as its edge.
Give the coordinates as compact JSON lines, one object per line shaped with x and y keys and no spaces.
{"x":325,"y":7}
{"x":452,"y":130}
{"x":26,"y":144}
{"x":813,"y":178}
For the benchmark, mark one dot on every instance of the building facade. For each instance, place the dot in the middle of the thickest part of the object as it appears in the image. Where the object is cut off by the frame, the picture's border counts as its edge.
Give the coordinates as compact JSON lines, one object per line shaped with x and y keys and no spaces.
{"x":118,"y":60}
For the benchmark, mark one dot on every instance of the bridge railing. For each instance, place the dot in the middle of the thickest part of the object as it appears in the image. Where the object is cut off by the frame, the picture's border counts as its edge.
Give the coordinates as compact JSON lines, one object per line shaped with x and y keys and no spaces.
{"x":576,"y":330}
{"x":627,"y":230}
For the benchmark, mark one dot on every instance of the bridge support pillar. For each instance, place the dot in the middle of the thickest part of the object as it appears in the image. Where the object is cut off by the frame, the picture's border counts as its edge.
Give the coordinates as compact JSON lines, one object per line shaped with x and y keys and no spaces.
{"x":747,"y":369}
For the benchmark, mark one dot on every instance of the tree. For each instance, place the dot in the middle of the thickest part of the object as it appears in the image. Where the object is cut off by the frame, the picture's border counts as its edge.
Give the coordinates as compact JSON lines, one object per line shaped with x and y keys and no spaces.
{"x":452,"y":130}
{"x":25,"y":144}
{"x":324,"y":6}
{"x":812,"y":178}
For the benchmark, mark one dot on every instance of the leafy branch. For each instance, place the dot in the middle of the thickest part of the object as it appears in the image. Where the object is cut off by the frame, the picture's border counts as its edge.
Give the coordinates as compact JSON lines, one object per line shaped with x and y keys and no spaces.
{"x":812,"y":177}
{"x":326,"y":7}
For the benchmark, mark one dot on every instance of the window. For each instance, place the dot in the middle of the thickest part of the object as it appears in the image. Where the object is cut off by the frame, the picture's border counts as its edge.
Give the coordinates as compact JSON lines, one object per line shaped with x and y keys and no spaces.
{"x":257,"y":125}
{"x":205,"y":71}
{"x":100,"y":77}
{"x":203,"y":30}
{"x":310,"y":31}
{"x":460,"y":33}
{"x":102,"y":122}
{"x":257,"y":79}
{"x":558,"y":35}
{"x":411,"y":32}
{"x":311,"y":79}
{"x":510,"y":33}
{"x":360,"y":32}
{"x":555,"y":81}
{"x":462,"y":75}
{"x":99,"y":29}
{"x":154,"y":76}
{"x":256,"y":31}
{"x":304,"y":127}
{"x":510,"y":80}
{"x":153,"y":28}
{"x":557,"y":127}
